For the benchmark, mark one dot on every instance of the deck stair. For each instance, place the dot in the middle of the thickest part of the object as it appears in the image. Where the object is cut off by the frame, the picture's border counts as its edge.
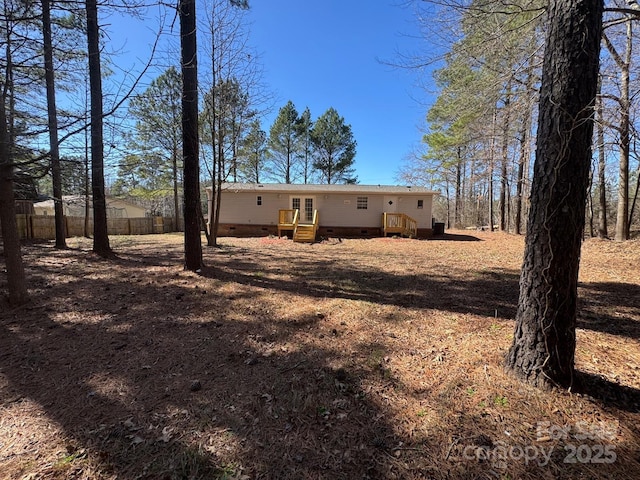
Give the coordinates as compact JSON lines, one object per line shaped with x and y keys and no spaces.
{"x":289,"y":220}
{"x":304,"y":233}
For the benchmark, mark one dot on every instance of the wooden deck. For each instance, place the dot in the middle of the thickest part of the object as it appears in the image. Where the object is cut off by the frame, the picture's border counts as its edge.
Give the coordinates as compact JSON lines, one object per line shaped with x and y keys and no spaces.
{"x":288,"y":220}
{"x":393,"y":223}
{"x":399,"y":224}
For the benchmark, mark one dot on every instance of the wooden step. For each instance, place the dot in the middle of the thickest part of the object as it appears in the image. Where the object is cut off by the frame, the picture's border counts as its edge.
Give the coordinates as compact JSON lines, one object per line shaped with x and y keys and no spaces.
{"x":304,"y":233}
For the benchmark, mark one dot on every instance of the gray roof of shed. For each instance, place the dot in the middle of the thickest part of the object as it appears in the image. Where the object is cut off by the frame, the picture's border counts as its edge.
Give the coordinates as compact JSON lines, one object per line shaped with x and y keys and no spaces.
{"x":334,"y":188}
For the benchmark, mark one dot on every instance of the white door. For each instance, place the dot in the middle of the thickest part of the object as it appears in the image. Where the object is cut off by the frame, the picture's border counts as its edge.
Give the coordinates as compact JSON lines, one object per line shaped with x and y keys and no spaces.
{"x":306,"y":206}
{"x":390,"y":204}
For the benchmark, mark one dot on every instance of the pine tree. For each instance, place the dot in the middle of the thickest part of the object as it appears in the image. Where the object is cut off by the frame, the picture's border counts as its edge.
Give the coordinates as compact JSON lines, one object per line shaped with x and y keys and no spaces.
{"x":100,"y":233}
{"x":334,"y":148}
{"x":158,"y":136}
{"x":544,"y":344}
{"x":53,"y":124}
{"x":283,"y":145}
{"x":190,"y":137}
{"x":16,"y":281}
{"x":303,"y":127}
{"x":253,"y":152}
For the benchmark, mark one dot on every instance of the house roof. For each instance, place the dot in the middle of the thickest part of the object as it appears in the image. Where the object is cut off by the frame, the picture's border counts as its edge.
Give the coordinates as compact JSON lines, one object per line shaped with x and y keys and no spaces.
{"x":80,"y":200}
{"x":314,"y":188}
{"x":67,"y":199}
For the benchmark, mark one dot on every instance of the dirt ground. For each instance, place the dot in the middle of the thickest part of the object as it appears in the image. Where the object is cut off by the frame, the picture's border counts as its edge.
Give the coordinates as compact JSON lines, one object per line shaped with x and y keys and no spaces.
{"x":352,"y":359}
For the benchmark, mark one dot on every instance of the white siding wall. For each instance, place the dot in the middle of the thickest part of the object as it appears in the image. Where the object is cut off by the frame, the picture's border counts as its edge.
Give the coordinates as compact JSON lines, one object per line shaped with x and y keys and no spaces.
{"x":341,"y":210}
{"x":334,"y":209}
{"x":409,"y":206}
{"x":242,"y":207}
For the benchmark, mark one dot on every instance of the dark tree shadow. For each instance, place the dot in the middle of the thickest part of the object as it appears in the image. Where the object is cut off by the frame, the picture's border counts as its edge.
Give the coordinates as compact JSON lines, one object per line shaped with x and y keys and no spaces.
{"x":489,"y":292}
{"x":455,"y":237}
{"x":155,"y":396}
{"x":118,"y":376}
{"x":609,"y":393}
{"x":610,"y":307}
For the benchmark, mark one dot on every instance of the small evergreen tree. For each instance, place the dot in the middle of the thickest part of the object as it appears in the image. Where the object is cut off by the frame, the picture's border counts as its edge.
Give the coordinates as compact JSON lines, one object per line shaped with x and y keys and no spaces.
{"x":303,"y":127}
{"x":283,"y":145}
{"x":334,"y":148}
{"x":253,"y":153}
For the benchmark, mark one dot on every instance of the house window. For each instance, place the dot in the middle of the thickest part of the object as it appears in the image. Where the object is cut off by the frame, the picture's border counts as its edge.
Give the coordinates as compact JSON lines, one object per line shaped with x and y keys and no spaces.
{"x":259,"y":200}
{"x":420,"y":203}
{"x":295,"y":203}
{"x":308,"y":209}
{"x":362,"y":203}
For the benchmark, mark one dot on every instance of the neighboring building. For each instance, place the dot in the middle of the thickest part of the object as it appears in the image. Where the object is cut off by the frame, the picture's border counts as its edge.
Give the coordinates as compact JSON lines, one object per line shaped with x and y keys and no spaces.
{"x":74,"y":206}
{"x":342,"y":210}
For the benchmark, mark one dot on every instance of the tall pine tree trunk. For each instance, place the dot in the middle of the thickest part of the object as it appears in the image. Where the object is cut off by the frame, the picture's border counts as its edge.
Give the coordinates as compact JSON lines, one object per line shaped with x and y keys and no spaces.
{"x":87,"y":180}
{"x":504,"y":161}
{"x":622,"y":214}
{"x":219,"y":169}
{"x":525,"y":149}
{"x":175,"y":150}
{"x":522,"y":162}
{"x":457,"y":217}
{"x":603,"y":231}
{"x":100,"y":232}
{"x":543,"y":348}
{"x":176,"y":197}
{"x":491,"y":164}
{"x":590,"y":205}
{"x":53,"y":125}
{"x":212,"y":236}
{"x":190,"y":142}
{"x":622,"y":218}
{"x":16,"y":281}
{"x":634,"y":200}
{"x":216,"y":223}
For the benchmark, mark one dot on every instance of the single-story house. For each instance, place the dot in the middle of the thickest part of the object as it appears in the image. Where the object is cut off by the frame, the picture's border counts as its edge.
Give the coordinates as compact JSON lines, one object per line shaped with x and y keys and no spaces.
{"x":332,"y":210}
{"x":74,"y":206}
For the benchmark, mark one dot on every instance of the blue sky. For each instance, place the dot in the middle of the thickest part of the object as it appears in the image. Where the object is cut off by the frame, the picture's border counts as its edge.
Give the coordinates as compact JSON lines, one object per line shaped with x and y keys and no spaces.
{"x":331,"y":54}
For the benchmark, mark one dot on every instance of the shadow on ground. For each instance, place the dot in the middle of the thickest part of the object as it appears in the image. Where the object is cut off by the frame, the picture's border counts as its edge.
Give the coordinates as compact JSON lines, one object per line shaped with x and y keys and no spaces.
{"x":455,"y":237}
{"x":156,"y":378}
{"x":612,"y":308}
{"x":609,"y":393}
{"x":136,"y":382}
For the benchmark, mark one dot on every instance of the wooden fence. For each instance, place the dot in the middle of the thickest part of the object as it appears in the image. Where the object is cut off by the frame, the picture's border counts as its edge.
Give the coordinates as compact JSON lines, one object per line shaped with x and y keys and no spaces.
{"x":43,"y":226}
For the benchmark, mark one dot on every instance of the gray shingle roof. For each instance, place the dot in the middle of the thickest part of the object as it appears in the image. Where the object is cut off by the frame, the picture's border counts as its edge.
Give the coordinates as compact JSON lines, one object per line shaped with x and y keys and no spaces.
{"x":313,"y":188}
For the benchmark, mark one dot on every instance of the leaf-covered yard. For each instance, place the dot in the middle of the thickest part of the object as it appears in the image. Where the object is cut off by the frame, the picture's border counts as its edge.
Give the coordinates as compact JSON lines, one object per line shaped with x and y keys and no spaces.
{"x":351,"y":359}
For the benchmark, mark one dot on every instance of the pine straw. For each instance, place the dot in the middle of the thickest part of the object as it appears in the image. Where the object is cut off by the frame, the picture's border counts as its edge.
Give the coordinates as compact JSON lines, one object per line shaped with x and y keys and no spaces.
{"x":345,"y":359}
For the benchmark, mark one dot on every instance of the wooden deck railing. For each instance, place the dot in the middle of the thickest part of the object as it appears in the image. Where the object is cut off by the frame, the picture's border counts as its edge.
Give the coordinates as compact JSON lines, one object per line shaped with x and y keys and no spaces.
{"x":315,"y":221}
{"x":306,"y":232}
{"x":302,"y":232}
{"x":393,"y":223}
{"x":287,"y":220}
{"x":399,"y":224}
